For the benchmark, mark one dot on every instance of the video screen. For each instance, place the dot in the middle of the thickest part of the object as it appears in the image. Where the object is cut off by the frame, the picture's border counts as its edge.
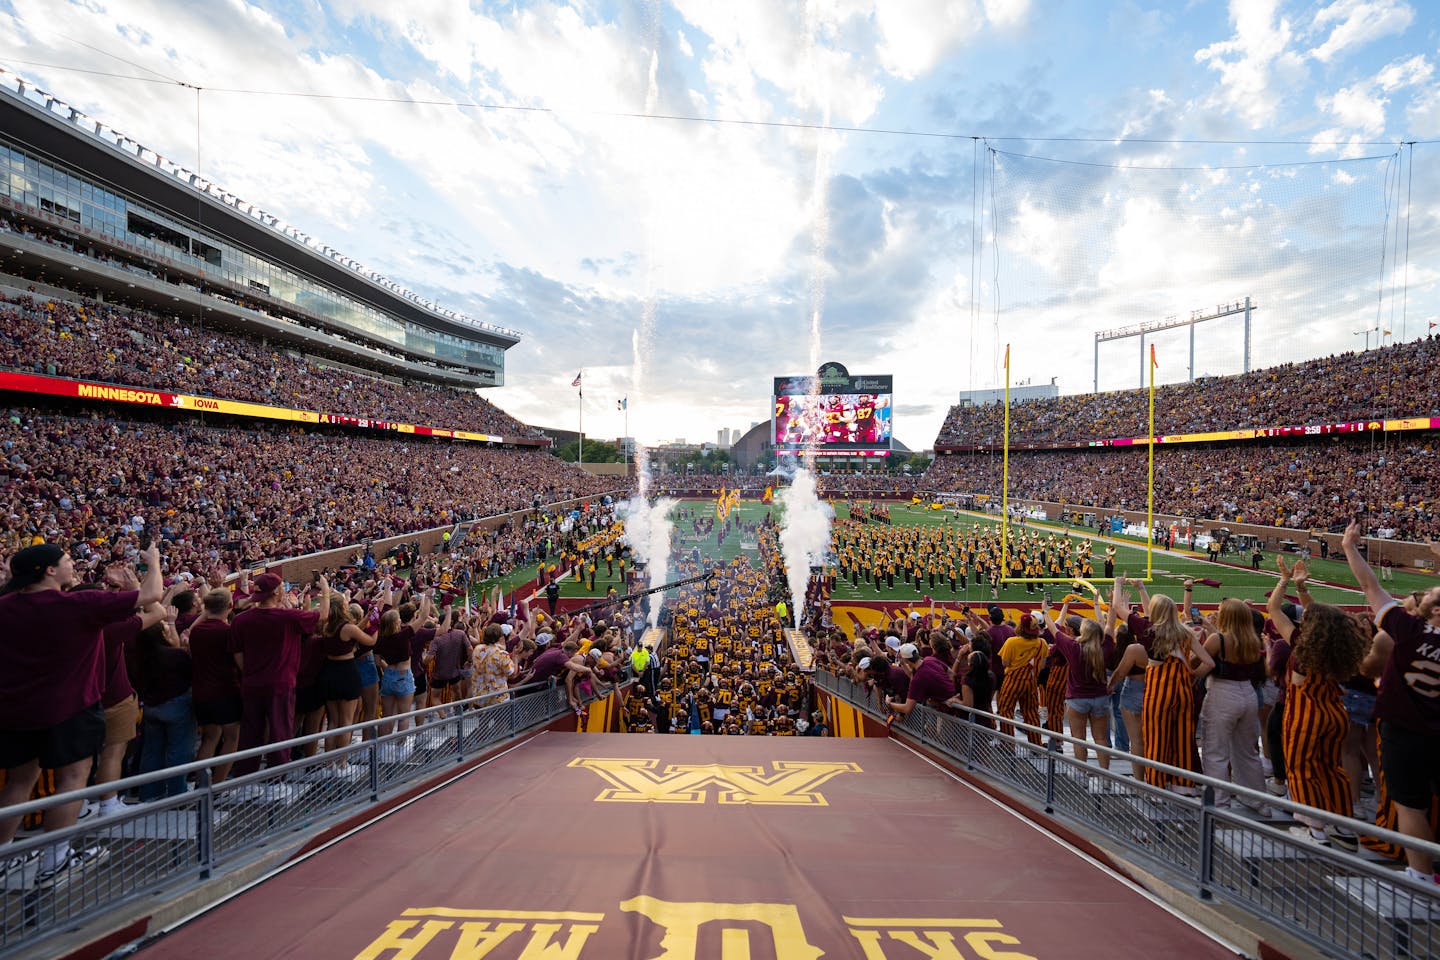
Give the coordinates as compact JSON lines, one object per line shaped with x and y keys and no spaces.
{"x":835,"y":420}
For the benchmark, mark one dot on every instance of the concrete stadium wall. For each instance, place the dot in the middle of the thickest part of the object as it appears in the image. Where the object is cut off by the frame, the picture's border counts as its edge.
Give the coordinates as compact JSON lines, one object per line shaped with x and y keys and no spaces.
{"x":300,"y":569}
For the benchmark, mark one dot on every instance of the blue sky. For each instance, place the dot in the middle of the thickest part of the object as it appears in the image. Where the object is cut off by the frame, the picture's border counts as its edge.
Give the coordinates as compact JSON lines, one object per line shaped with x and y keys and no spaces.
{"x":682,"y":264}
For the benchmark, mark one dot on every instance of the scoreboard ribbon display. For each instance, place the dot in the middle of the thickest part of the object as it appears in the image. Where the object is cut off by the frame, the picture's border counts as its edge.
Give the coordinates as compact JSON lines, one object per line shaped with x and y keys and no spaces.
{"x":1248,"y":433}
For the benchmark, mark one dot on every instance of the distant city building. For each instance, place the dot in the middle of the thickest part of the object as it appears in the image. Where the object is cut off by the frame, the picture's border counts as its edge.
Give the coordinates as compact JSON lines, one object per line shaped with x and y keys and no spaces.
{"x":1021,"y":391}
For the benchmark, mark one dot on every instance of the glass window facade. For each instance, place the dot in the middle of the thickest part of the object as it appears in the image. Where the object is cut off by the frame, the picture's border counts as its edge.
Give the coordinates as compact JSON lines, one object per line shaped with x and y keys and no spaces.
{"x":36,"y":183}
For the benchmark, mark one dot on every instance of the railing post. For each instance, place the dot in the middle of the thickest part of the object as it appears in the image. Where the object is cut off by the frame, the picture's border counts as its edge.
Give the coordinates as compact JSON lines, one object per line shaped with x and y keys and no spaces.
{"x":1050,"y":751}
{"x":970,"y":726}
{"x":374,"y":752}
{"x":1207,"y":840}
{"x":205,"y":824}
{"x":459,"y":734}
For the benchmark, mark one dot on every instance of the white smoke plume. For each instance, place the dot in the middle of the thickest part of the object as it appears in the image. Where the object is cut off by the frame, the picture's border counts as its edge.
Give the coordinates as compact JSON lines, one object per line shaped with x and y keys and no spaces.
{"x":648,"y":529}
{"x":804,"y":534}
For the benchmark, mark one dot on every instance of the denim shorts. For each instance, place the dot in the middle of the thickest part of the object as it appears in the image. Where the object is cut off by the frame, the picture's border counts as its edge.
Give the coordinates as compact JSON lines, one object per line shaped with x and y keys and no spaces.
{"x":369,"y":676}
{"x":397,"y":683}
{"x":1132,"y":694}
{"x":1360,"y":705}
{"x":1269,"y":693}
{"x":1090,"y":706}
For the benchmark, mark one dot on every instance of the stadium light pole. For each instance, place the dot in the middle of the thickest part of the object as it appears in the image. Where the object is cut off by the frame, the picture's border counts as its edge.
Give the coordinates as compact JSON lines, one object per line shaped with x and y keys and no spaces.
{"x":1366,"y":334}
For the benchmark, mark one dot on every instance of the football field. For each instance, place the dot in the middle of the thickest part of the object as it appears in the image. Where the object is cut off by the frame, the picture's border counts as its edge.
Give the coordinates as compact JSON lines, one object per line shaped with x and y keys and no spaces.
{"x":1330,"y":580}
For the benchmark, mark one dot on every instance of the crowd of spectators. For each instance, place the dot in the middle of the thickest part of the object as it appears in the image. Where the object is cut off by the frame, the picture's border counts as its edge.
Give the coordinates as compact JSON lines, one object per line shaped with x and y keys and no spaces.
{"x":234,"y":496}
{"x":248,"y":298}
{"x":106,"y":343}
{"x":1390,"y":381}
{"x":1301,"y":485}
{"x":1295,"y":700}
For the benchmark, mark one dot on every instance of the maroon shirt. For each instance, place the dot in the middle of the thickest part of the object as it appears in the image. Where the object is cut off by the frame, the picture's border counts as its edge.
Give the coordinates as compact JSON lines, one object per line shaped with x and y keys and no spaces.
{"x":1410,"y":687}
{"x":118,"y":636}
{"x":1140,"y":630}
{"x":548,"y":664}
{"x":52,"y":653}
{"x":449,"y":654}
{"x":269,"y":640}
{"x":215,"y":676}
{"x":898,"y":683}
{"x":396,"y":647}
{"x":419,"y":643}
{"x":1078,"y":686}
{"x":166,"y":675}
{"x":999,"y":633}
{"x":312,"y":658}
{"x":931,"y":682}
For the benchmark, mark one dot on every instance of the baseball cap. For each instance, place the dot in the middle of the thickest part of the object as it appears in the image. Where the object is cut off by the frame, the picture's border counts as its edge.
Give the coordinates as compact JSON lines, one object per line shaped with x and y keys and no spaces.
{"x":506,"y":629}
{"x":914,"y":615}
{"x":893,"y":643}
{"x":541,"y":639}
{"x":266,"y":584}
{"x":864,"y":663}
{"x":908,"y":651}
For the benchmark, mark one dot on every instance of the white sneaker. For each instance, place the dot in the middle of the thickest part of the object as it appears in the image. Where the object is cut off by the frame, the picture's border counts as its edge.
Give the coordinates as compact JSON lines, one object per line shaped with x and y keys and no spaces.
{"x":1276,"y":787}
{"x":88,"y":809}
{"x":111,"y":807}
{"x":72,"y":867}
{"x":18,"y":866}
{"x":1303,"y":833}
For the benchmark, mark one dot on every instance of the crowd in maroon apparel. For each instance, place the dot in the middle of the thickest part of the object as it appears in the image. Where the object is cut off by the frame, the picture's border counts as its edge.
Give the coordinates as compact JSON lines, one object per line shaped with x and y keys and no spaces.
{"x":230,"y":496}
{"x":94,"y":341}
{"x":1393,"y":381}
{"x":1305,"y":485}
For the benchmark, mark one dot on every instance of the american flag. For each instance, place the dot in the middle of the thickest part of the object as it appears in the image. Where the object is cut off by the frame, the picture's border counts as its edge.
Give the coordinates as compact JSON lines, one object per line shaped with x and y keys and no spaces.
{"x":576,"y":381}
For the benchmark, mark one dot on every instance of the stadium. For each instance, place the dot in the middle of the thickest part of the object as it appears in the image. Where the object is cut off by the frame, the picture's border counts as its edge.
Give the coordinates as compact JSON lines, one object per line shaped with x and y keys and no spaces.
{"x":327,"y":629}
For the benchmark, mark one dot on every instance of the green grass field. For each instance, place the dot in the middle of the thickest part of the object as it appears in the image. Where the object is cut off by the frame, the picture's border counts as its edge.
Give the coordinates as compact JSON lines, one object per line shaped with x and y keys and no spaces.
{"x":1169,"y":569}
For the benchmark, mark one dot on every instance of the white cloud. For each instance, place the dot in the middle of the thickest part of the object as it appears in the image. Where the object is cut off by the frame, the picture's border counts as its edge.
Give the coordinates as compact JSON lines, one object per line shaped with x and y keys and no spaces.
{"x":1357,"y":107}
{"x":1422,"y":116}
{"x":1256,"y":65}
{"x":1361,"y":108}
{"x":1358,"y":22}
{"x":918,"y":34}
{"x":1404,"y":73}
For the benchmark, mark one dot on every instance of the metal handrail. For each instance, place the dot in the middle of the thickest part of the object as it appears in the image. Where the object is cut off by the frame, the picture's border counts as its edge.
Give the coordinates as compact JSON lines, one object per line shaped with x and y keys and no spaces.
{"x":1340,"y":903}
{"x":1353,"y":826}
{"x":196,"y":766}
{"x":172,"y":844}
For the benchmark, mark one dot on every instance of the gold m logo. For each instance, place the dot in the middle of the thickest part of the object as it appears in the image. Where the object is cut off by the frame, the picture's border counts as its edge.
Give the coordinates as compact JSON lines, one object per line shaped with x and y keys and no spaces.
{"x":640,"y":781}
